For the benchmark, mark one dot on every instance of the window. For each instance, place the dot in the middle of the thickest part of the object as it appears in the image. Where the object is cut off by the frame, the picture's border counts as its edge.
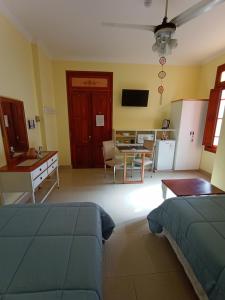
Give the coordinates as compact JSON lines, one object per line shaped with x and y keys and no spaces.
{"x":219,"y":119}
{"x":215,"y":112}
{"x":222,"y":77}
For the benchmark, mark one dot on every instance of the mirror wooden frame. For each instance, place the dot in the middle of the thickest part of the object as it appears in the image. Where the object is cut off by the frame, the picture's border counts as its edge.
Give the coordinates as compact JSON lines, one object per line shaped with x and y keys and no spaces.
{"x":19,"y":123}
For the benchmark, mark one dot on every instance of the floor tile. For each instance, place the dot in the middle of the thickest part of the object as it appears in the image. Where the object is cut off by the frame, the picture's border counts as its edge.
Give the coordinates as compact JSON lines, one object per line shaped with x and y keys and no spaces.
{"x":162,"y":255}
{"x":138,"y":265}
{"x":119,"y":288}
{"x":126,"y":254}
{"x":166,"y":286}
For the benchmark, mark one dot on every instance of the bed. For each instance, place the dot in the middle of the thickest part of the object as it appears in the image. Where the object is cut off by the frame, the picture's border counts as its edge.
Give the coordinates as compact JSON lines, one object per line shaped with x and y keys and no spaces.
{"x":197,"y":226}
{"x":52,"y":251}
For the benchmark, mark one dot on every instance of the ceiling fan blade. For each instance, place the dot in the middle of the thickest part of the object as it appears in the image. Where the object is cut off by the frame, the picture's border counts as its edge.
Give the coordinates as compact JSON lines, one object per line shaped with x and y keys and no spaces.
{"x":195,"y":10}
{"x":130,"y":26}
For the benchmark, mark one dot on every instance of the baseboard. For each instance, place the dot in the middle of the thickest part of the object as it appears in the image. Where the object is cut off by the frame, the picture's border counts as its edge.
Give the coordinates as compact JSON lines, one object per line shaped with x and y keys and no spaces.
{"x":65,"y":167}
{"x":207,"y":174}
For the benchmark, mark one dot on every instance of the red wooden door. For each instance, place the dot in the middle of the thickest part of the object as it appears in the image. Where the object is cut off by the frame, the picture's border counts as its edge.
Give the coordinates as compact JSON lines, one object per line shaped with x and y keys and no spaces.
{"x":86,"y":105}
{"x":80,"y":131}
{"x":101,"y":106}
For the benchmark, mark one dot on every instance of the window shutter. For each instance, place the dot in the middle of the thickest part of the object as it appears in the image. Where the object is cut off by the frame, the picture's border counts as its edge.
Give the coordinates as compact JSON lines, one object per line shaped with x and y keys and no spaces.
{"x":211,"y":117}
{"x":220,"y":70}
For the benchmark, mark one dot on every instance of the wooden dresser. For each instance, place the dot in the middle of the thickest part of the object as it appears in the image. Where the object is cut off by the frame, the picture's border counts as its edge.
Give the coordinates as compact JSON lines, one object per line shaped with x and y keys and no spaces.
{"x":29,"y":174}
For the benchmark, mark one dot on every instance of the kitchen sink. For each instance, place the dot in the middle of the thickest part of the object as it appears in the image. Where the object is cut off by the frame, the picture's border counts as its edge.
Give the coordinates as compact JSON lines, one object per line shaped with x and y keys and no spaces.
{"x":31,"y":161}
{"x":28,"y":162}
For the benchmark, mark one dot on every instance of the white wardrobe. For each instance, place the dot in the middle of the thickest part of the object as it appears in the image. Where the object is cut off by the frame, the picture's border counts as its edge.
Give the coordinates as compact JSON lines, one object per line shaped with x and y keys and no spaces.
{"x":188,"y":118}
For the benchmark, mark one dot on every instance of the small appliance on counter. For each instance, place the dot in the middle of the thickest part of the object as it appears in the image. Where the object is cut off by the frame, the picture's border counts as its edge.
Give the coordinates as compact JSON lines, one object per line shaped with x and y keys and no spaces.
{"x":165,"y":124}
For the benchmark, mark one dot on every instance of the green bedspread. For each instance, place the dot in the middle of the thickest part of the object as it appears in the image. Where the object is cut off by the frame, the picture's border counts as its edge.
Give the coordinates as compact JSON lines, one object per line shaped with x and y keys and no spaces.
{"x":52,"y":251}
{"x":197,"y":224}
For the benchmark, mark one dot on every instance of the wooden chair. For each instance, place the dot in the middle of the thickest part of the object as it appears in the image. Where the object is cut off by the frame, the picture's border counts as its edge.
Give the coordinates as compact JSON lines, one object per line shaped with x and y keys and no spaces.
{"x":110,"y":157}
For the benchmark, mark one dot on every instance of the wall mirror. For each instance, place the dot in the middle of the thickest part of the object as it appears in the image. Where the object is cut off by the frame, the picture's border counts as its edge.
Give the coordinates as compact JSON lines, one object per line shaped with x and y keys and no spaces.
{"x":13,"y":126}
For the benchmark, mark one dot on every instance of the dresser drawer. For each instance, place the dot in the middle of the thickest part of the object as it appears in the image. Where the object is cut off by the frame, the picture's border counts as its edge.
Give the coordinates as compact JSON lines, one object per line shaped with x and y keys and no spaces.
{"x":52,"y":159}
{"x":39,"y":179}
{"x":52,"y":167}
{"x":39,"y":170}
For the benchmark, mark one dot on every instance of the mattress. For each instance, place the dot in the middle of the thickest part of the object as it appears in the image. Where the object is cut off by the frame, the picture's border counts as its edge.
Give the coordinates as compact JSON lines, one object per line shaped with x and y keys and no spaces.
{"x":187,"y":268}
{"x":52,"y":251}
{"x":197,"y":224}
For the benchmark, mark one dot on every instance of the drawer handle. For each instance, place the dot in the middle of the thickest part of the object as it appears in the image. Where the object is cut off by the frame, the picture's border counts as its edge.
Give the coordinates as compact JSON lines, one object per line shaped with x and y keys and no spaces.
{"x":41,"y":178}
{"x":52,"y":167}
{"x":40,"y":169}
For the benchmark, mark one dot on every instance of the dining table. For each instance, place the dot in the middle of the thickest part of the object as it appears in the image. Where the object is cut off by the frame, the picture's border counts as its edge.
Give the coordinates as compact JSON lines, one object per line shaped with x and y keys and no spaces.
{"x":132,"y":151}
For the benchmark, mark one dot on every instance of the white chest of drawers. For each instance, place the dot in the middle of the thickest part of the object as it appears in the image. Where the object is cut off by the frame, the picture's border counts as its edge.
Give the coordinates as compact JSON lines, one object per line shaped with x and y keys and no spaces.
{"x":22,"y":178}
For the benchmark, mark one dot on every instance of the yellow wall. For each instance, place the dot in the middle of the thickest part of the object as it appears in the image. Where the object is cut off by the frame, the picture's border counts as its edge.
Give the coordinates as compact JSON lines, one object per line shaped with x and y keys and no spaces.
{"x":46,"y":99}
{"x":207,"y":161}
{"x":16,"y":76}
{"x":206,"y":82}
{"x":20,"y":62}
{"x":213,"y":163}
{"x":181,"y":82}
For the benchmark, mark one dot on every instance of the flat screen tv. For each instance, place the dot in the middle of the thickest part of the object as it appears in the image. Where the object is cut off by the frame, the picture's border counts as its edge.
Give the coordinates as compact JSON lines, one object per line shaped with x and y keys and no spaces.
{"x":135,"y":97}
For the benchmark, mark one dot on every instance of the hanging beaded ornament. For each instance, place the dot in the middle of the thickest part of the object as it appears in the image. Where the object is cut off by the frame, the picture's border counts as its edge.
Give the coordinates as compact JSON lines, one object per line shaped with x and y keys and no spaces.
{"x":162,"y":60}
{"x":160,"y":89}
{"x":161,"y":75}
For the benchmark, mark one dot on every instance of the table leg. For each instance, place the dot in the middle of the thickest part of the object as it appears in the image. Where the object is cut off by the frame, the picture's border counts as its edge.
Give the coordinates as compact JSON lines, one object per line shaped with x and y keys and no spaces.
{"x":125,"y":179}
{"x":164,"y":191}
{"x":142,"y":167}
{"x":125,"y":168}
{"x":57,"y":177}
{"x":33,"y":197}
{"x":2,"y":199}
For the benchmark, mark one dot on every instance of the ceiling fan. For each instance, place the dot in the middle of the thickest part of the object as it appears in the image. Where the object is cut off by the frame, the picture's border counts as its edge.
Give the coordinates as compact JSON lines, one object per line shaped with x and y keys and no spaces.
{"x":164,"y":32}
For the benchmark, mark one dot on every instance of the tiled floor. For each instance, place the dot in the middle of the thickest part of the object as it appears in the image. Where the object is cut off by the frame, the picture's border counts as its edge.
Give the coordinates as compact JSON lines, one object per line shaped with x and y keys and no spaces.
{"x":137,"y":264}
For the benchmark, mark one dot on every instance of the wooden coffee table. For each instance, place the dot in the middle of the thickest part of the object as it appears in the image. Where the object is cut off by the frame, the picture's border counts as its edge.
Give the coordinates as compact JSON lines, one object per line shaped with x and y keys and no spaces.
{"x":189,"y":187}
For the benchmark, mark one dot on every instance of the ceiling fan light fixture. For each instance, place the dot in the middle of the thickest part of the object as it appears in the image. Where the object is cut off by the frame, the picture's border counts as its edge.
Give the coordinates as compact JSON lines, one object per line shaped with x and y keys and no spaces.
{"x":173,"y":43}
{"x":154,"y":47}
{"x":164,"y":42}
{"x":161,"y":49}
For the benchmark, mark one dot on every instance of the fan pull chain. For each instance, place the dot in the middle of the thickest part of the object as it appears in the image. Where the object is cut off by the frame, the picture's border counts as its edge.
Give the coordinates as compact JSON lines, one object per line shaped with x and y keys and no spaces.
{"x":161,"y":75}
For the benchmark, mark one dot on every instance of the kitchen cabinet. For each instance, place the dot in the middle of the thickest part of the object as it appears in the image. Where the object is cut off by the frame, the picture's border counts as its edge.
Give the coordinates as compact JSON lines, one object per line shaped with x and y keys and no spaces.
{"x":29,"y":175}
{"x":136,"y":137}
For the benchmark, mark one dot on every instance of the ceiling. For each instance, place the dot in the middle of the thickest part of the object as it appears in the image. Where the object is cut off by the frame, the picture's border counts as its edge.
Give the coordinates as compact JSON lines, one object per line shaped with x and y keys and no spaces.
{"x":72,"y":29}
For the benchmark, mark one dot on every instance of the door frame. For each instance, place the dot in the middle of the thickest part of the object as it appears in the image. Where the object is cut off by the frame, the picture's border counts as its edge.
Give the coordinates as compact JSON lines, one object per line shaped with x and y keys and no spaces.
{"x":70,"y":89}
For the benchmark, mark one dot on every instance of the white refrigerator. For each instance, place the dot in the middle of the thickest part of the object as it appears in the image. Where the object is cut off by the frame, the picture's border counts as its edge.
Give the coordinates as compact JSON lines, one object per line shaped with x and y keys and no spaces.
{"x":164,"y":154}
